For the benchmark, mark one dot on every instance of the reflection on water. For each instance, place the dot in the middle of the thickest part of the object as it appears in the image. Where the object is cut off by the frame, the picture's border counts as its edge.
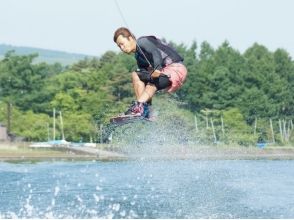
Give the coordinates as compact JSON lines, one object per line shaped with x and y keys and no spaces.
{"x":148,"y":189}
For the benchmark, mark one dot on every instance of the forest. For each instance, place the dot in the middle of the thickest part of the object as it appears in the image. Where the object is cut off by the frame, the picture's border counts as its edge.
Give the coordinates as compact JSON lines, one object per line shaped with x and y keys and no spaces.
{"x":228,"y":97}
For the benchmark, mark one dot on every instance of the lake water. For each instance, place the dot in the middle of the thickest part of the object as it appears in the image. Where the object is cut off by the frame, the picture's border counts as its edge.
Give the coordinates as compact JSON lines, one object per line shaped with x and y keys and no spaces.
{"x":148,"y":189}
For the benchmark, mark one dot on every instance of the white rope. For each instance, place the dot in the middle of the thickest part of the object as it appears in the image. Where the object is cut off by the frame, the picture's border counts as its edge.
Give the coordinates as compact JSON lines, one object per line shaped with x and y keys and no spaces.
{"x":124,"y":20}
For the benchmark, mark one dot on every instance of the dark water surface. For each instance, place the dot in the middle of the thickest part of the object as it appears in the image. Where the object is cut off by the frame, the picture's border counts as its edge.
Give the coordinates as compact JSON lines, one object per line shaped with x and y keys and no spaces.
{"x":148,"y":189}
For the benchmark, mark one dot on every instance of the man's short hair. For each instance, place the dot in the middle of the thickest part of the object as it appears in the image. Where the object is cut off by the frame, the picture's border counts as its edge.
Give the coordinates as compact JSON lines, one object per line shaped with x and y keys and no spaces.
{"x":122,"y":31}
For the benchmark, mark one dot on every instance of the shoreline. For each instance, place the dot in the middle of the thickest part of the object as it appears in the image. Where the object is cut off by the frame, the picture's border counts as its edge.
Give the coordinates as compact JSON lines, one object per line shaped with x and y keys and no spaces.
{"x":220,"y":153}
{"x":27,"y":154}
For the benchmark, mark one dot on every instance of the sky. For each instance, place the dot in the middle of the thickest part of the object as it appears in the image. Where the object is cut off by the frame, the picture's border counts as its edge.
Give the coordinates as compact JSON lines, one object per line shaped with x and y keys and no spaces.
{"x":87,"y":26}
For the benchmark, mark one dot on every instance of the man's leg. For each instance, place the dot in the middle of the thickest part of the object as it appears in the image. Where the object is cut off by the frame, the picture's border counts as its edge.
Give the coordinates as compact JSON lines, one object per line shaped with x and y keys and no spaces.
{"x":138,"y":85}
{"x":147,"y":93}
{"x":143,"y":94}
{"x":145,"y":101}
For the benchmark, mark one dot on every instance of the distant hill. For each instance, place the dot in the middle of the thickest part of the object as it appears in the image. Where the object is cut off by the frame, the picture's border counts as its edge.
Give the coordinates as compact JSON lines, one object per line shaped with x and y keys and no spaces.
{"x":48,"y":56}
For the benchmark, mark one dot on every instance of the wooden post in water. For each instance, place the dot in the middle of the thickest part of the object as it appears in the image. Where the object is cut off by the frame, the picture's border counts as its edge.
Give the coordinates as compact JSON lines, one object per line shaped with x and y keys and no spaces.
{"x":61,"y":126}
{"x":285,"y":131}
{"x":214,"y":135}
{"x":223,"y":129}
{"x":291,"y":127}
{"x":48,"y":132}
{"x":206,"y":118}
{"x":255,"y":126}
{"x":97,"y":132}
{"x":9,"y":114}
{"x":272,"y":131}
{"x":196,"y":124}
{"x":101,"y":133}
{"x":281,"y":131}
{"x":289,"y":130}
{"x":9,"y":105}
{"x":53,"y":124}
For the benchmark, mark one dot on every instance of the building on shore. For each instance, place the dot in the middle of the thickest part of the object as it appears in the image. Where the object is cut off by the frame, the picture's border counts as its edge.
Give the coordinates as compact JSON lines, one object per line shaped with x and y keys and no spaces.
{"x":3,"y":134}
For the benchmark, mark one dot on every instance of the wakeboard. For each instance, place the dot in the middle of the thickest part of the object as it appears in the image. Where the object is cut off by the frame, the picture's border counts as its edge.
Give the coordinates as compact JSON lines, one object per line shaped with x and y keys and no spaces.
{"x":125,"y":119}
{"x":121,"y":120}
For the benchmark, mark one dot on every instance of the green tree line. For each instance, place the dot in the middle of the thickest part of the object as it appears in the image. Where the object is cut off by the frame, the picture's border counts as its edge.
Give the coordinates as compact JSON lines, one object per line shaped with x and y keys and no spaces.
{"x":255,"y":84}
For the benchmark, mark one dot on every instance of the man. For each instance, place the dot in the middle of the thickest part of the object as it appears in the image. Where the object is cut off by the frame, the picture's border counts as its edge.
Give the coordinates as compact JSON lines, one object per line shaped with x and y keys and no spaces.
{"x":160,"y":67}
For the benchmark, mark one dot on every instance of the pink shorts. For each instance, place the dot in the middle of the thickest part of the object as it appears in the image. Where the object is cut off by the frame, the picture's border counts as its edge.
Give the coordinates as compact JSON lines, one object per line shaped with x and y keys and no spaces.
{"x":177,"y":73}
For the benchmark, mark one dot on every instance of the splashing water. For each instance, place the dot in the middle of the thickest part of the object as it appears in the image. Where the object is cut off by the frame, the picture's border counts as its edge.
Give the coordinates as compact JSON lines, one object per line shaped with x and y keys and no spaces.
{"x":148,"y":189}
{"x":170,"y":133}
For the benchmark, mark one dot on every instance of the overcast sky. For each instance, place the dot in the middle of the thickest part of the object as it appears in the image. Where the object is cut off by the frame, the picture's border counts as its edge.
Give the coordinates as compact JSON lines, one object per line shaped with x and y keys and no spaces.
{"x":87,"y":26}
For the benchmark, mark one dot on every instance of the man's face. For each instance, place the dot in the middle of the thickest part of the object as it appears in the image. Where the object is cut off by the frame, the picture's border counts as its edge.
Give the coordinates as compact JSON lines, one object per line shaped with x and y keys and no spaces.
{"x":125,"y":44}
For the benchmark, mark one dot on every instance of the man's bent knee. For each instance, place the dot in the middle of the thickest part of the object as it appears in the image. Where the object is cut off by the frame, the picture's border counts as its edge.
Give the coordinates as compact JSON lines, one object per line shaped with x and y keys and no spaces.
{"x":135,"y":77}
